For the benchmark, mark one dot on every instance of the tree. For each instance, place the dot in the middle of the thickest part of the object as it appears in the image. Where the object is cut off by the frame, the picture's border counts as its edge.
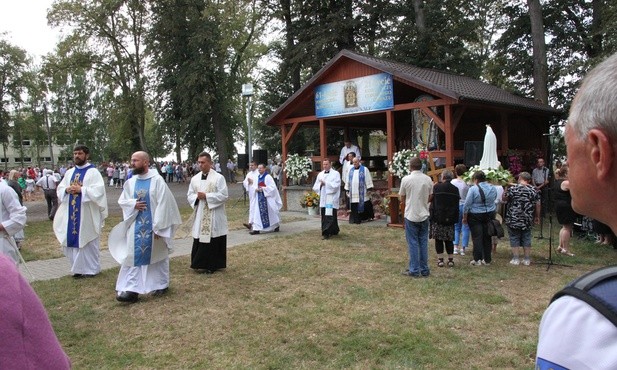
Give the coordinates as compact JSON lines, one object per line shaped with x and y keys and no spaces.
{"x":14,"y":66}
{"x":540,"y":72}
{"x":107,"y":36}
{"x":202,"y":51}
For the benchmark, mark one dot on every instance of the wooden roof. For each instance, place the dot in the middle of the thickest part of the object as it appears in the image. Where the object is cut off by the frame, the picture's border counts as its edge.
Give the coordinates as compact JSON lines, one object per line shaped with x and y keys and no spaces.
{"x":456,"y":88}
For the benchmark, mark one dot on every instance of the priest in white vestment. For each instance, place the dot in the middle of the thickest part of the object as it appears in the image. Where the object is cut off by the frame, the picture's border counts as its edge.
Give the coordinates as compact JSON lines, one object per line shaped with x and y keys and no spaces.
{"x":249,"y":180}
{"x":328,"y":186}
{"x":12,"y":221}
{"x":265,"y":203}
{"x":207,"y":195}
{"x":359,"y":181}
{"x":142,"y":242}
{"x":81,"y":214}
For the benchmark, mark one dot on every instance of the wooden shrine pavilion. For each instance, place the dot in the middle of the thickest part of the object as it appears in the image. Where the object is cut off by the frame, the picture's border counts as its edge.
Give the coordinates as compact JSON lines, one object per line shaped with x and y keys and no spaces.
{"x":415,"y":107}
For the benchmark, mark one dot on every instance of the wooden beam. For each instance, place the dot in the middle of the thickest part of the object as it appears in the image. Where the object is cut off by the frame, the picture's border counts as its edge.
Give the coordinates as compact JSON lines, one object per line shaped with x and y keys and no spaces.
{"x":284,"y":158}
{"x":298,"y":119}
{"x":294,"y":128}
{"x":323,"y":140}
{"x":422,"y":104}
{"x":449,"y":133}
{"x":435,"y":118}
{"x":390,"y":133}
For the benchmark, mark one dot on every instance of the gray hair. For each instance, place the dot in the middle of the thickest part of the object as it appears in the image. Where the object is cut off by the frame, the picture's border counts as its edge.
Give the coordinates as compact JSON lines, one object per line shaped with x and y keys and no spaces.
{"x":594,"y":105}
{"x":525,"y":176}
{"x":447,"y":175}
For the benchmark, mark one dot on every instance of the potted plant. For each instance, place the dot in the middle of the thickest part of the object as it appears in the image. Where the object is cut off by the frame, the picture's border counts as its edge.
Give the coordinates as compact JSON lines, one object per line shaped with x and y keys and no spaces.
{"x":310,"y":200}
{"x":297,"y":167}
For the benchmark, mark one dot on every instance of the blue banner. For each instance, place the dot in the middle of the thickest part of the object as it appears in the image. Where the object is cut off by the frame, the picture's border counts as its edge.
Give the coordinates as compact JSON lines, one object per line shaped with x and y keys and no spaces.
{"x":362,"y":94}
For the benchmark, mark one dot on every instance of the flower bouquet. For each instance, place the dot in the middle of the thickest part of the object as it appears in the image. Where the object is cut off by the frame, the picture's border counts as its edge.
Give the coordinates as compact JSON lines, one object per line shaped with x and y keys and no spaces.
{"x":399,"y":166}
{"x":297,"y":167}
{"x":494,"y":176}
{"x":310,"y":199}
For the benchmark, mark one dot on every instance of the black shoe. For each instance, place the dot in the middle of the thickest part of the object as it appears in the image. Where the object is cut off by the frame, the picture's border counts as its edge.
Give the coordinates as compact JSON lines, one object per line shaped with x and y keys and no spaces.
{"x":325,"y":237}
{"x":248,"y":226}
{"x":159,"y":292}
{"x":130,"y":297}
{"x":254,"y":232}
{"x":78,"y":276}
{"x":277,"y":229}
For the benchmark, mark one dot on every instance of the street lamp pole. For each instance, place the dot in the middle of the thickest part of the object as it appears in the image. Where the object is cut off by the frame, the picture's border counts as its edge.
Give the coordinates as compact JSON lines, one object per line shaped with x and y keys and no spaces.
{"x":247,"y":91}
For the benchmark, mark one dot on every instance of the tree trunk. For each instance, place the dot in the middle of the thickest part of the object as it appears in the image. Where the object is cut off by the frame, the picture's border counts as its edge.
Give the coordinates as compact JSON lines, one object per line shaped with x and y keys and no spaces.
{"x":540,"y":73}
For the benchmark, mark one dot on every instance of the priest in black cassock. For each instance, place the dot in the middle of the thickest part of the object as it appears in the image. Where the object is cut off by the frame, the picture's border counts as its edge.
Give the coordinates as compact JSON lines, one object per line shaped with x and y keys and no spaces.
{"x":207,"y":195}
{"x":328,"y":186}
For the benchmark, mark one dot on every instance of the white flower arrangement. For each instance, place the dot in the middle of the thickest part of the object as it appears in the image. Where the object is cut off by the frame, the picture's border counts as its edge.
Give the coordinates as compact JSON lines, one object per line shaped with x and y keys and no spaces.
{"x":297,"y":167}
{"x":495,"y":176}
{"x":399,"y":166}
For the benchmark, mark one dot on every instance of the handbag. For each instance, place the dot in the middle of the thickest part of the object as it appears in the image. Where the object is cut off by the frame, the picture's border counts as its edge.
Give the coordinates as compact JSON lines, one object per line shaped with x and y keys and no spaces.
{"x":494,"y":227}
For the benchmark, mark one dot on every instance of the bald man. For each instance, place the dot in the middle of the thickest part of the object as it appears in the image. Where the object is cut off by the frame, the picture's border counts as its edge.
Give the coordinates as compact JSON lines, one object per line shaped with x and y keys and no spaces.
{"x":142,"y":242}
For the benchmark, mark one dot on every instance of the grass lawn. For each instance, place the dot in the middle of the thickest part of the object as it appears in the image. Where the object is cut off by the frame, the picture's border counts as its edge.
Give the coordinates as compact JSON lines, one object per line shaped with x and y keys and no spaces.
{"x":299,"y":302}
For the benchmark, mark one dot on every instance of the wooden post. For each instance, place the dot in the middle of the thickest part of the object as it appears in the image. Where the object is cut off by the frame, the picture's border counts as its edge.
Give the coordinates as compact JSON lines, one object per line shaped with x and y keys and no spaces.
{"x":323,"y":140}
{"x":390,"y":142}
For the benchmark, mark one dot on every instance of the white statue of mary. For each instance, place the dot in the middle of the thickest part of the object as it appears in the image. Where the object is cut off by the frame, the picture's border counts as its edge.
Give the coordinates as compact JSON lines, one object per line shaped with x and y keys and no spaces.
{"x":489,"y":154}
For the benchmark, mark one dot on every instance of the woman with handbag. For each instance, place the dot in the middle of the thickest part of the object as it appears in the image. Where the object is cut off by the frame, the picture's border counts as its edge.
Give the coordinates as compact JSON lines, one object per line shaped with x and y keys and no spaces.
{"x":444,"y":214}
{"x":479,"y":210}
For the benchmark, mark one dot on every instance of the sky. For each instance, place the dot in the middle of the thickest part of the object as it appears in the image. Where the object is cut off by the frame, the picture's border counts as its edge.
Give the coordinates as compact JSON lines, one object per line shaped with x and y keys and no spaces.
{"x":25,"y":22}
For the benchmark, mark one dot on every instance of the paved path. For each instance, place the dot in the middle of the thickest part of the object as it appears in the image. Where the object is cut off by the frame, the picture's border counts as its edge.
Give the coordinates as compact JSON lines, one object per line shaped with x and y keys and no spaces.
{"x":59,"y":267}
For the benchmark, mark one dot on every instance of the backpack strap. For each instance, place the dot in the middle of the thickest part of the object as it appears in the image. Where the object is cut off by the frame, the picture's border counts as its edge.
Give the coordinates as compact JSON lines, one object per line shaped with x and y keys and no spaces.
{"x":598,"y":289}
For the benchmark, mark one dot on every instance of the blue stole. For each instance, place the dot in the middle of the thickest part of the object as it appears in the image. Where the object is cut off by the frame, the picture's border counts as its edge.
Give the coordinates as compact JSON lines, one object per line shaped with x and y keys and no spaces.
{"x":143,"y":224}
{"x":263,"y":202}
{"x":72,"y":233}
{"x":361,"y":186}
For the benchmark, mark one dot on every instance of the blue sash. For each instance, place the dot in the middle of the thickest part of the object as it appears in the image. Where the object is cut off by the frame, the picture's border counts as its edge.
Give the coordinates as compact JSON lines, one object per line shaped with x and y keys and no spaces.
{"x":72,"y":233}
{"x":263,"y":203}
{"x":361,"y":186}
{"x":143,"y":224}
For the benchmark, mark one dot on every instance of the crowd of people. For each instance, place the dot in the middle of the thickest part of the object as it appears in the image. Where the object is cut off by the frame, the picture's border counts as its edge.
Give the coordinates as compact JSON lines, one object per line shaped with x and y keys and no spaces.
{"x":141,"y":242}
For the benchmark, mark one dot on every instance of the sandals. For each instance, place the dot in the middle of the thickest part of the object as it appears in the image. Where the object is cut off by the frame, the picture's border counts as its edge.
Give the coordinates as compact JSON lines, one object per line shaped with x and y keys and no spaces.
{"x":564,"y":251}
{"x":440,"y":262}
{"x":450,"y":262}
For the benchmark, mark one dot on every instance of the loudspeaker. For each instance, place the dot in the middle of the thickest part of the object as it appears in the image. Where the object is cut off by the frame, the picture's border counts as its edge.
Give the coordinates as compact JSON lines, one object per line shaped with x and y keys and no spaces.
{"x":473,"y":152}
{"x":243,"y":160}
{"x":260,"y":156}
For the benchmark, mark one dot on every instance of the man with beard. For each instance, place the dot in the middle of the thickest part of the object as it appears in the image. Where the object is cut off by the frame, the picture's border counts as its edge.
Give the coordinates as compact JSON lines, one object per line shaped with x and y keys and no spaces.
{"x":207,"y":195}
{"x":81,"y":214}
{"x":265,"y":203}
{"x":141,"y":243}
{"x":328,"y":186}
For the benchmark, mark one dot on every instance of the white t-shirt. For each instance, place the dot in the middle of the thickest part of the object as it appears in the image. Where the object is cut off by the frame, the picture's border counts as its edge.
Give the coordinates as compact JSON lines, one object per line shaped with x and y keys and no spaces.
{"x":416,"y":188}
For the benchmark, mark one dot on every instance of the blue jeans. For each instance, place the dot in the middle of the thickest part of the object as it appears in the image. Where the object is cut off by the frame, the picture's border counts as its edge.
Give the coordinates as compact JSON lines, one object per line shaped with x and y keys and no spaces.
{"x":416,"y":234}
{"x":461,"y":227}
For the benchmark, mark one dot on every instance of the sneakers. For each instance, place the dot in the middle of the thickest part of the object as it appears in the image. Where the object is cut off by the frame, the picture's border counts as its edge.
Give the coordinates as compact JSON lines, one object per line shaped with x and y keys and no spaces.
{"x":455,"y":250}
{"x":475,"y":263}
{"x":484,"y":263}
{"x":526,"y":262}
{"x":461,"y":252}
{"x":515,"y":261}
